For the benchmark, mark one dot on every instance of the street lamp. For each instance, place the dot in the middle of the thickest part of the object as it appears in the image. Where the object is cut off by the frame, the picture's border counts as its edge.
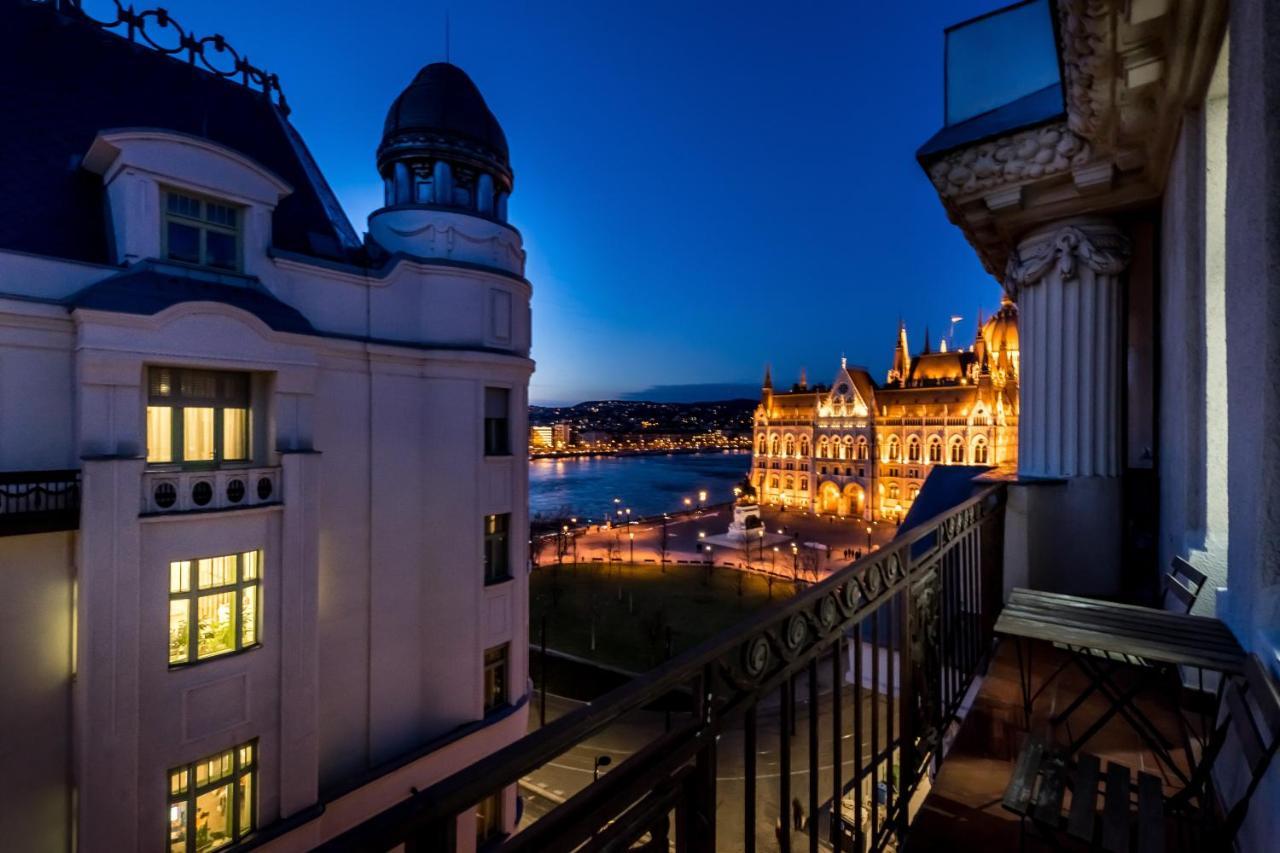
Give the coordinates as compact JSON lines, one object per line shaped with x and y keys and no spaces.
{"x":702,"y":497}
{"x":631,"y":546}
{"x":688,"y":502}
{"x":601,"y":761}
{"x":868,"y":540}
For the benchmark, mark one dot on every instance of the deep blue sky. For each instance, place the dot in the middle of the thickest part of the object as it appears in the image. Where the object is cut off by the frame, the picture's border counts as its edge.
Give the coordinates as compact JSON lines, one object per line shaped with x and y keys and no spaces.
{"x":703,"y":187}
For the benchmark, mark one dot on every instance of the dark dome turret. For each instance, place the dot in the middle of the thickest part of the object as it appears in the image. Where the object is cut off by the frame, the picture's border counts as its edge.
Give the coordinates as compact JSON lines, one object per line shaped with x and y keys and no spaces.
{"x":442,"y":146}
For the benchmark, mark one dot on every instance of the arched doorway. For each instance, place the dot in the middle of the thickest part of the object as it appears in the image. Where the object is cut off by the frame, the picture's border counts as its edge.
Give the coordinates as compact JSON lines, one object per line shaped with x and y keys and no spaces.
{"x":829,"y":498}
{"x":855,"y":500}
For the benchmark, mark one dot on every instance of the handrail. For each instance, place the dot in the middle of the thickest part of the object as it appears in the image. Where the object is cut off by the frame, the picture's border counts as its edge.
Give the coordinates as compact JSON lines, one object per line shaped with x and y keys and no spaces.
{"x":39,"y":501}
{"x":760,"y":651}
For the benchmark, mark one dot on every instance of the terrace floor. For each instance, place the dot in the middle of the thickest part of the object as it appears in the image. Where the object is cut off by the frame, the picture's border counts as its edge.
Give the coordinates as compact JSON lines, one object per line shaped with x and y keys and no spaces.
{"x":963,"y":810}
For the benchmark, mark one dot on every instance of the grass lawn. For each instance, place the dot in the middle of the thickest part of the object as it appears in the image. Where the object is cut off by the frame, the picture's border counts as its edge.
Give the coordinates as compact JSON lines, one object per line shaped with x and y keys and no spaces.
{"x":631,"y":606}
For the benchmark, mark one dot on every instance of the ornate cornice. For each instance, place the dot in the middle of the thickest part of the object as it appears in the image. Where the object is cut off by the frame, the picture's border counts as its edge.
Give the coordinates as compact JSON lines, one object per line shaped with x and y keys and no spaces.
{"x":1101,"y":246}
{"x":1085,"y":34}
{"x":1025,"y":156}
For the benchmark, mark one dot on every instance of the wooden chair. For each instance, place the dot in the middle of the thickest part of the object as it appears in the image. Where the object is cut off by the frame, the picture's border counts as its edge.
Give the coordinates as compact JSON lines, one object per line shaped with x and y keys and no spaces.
{"x":1249,"y":720}
{"x":1182,"y":586}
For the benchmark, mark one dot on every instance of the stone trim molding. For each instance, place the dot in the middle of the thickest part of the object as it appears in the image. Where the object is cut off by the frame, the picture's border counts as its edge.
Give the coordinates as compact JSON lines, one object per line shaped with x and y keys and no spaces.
{"x":1084,"y":32}
{"x":1024,"y":156}
{"x":1101,"y":246}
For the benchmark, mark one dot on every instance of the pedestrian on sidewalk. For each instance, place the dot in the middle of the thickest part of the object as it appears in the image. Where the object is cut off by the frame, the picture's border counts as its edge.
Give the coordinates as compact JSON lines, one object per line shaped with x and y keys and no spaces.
{"x":797,"y":814}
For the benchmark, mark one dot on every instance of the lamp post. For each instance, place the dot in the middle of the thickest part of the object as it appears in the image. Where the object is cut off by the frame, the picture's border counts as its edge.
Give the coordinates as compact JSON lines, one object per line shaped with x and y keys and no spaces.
{"x":868,"y":540}
{"x":564,"y":529}
{"x":702,"y":497}
{"x":795,"y":559}
{"x":631,"y":546}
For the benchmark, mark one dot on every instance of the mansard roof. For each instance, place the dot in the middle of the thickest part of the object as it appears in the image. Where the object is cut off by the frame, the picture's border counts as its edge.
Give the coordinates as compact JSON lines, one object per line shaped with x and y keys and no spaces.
{"x":67,"y":79}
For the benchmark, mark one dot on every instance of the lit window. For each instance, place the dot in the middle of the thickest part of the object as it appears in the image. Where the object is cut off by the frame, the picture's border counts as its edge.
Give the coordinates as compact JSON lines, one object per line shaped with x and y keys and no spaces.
{"x":497,"y":561}
{"x":197,"y":417}
{"x":935,"y":450}
{"x":489,"y":818}
{"x":957,"y":449}
{"x":497,"y":425}
{"x":212,"y":802}
{"x":214,"y":606}
{"x":495,"y":678}
{"x":201,"y":231}
{"x":980,"y":452}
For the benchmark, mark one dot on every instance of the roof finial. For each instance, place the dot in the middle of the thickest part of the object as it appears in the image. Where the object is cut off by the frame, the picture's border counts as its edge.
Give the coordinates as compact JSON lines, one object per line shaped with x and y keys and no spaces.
{"x":768,"y":378}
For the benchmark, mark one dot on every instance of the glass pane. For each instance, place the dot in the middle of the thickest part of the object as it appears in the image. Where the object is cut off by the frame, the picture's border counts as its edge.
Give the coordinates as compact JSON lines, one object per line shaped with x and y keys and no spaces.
{"x":998,"y":58}
{"x":246,"y":755}
{"x":177,"y":828}
{"x":244,"y":803}
{"x":179,"y":630}
{"x":199,"y":385}
{"x":220,"y":249}
{"x":216,"y":625}
{"x":177,"y":781}
{"x":249,"y":615}
{"x":184,"y":242}
{"x":249,"y":564}
{"x":217,"y":571}
{"x":159,"y":434}
{"x":180,"y":576}
{"x":197,"y":434}
{"x":220,"y":214}
{"x":184,"y":205}
{"x":213,"y":819}
{"x":235,"y":433}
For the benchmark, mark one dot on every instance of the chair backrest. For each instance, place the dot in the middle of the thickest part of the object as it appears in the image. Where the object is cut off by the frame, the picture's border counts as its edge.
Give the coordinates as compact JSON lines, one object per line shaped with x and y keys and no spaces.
{"x":1251,"y":719}
{"x":1182,"y":585}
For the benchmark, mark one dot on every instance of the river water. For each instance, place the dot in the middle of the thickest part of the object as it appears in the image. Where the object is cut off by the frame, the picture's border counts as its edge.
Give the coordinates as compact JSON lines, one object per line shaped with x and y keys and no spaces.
{"x":586,"y":486}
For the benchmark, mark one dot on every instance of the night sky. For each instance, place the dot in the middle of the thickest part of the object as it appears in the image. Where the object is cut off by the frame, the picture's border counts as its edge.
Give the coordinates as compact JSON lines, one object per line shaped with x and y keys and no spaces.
{"x":703,"y":187}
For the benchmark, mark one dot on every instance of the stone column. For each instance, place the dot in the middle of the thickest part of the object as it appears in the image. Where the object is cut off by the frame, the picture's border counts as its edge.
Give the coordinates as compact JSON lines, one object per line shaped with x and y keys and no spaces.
{"x":1067,"y":280}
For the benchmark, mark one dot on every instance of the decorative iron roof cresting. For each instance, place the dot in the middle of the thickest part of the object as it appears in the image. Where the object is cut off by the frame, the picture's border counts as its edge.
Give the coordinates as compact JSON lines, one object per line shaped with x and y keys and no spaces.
{"x":212,"y":53}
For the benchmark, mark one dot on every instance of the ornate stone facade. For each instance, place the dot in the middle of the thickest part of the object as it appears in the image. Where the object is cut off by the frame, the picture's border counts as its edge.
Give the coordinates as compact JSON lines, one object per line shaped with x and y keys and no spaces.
{"x":855,"y":448}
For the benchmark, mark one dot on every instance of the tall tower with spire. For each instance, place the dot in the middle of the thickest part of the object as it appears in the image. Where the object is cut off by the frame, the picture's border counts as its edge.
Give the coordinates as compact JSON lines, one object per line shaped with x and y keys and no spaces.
{"x":901,"y":358}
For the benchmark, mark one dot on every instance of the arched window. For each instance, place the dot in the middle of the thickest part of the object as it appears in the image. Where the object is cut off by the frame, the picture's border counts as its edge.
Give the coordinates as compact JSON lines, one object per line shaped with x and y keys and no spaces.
{"x":844,"y":448}
{"x":804,"y":484}
{"x":980,"y":451}
{"x":773,"y":482}
{"x":790,"y":483}
{"x":823,"y":450}
{"x":913,"y":491}
{"x":863,"y":449}
{"x":957,"y":450}
{"x":789,"y":446}
{"x":893,"y":451}
{"x":935,"y":449}
{"x":913,"y":449}
{"x":760,"y":445}
{"x":894,"y":491}
{"x":773,"y":446}
{"x":804,"y":445}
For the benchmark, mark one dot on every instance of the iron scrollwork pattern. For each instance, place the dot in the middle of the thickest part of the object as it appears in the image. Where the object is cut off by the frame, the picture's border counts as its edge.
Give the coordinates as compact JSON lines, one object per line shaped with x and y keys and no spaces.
{"x":212,"y":53}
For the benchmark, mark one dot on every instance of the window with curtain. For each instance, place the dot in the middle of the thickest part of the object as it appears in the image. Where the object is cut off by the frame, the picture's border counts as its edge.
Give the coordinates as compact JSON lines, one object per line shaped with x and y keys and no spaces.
{"x":497,"y":422}
{"x":215,"y":606}
{"x":201,"y":231}
{"x":197,"y":417}
{"x":213,"y":801}
{"x":497,"y":559}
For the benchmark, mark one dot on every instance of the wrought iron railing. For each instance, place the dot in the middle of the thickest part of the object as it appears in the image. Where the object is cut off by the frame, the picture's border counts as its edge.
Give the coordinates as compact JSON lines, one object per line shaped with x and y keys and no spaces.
{"x":39,"y":501}
{"x":157,"y":29}
{"x":901,"y":633}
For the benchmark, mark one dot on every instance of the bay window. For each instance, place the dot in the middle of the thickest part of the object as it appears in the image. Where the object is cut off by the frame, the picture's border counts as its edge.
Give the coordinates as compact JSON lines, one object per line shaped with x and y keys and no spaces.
{"x":215,"y":606}
{"x":213,"y":802}
{"x":198,"y":417}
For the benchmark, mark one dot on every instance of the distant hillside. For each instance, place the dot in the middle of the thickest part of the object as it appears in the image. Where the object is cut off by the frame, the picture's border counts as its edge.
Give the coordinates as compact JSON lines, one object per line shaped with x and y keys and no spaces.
{"x":641,"y":416}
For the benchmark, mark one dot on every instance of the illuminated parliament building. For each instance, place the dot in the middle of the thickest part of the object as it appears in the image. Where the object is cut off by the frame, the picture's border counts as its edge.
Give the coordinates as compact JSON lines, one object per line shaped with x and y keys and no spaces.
{"x":861,"y":449}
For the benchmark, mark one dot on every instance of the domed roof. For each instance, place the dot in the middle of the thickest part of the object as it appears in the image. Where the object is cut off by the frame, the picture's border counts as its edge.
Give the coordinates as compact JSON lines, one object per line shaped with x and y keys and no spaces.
{"x":440,"y":109}
{"x":1001,"y":331}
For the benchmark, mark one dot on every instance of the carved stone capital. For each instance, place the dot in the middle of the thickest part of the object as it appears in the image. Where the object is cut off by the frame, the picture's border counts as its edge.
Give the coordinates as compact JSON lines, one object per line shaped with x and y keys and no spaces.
{"x":1101,"y":246}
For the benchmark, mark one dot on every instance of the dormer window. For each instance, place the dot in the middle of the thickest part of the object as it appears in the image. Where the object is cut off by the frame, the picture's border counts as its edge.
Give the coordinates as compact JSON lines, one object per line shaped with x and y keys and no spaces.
{"x":201,"y":231}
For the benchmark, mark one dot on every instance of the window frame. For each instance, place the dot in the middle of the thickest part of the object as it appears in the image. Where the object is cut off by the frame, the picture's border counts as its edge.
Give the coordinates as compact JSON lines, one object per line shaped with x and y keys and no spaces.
{"x":495,"y":822}
{"x":188,"y":792}
{"x":194,"y":593}
{"x":492,"y":446}
{"x":491,"y":575}
{"x":203,"y":225}
{"x":177,"y":402}
{"x":503,"y":664}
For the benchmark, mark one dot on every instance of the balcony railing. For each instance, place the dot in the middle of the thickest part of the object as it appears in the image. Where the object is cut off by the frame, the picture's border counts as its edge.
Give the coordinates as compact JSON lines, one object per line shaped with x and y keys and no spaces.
{"x":903,"y":632}
{"x":201,"y":491}
{"x":39,"y":501}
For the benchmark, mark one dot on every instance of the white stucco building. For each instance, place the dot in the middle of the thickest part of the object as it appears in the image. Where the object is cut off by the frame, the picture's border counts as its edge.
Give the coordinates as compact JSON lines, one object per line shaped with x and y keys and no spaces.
{"x":294,"y":589}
